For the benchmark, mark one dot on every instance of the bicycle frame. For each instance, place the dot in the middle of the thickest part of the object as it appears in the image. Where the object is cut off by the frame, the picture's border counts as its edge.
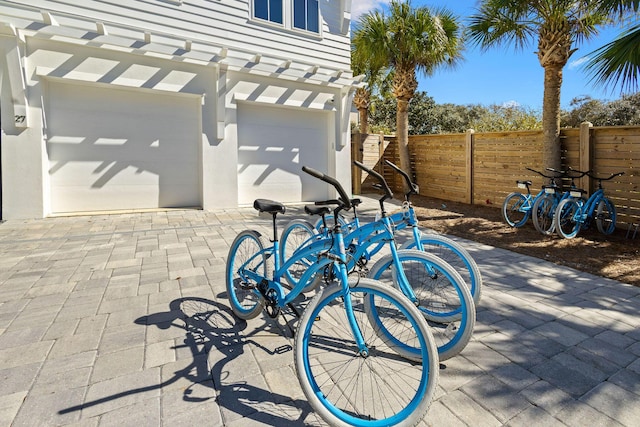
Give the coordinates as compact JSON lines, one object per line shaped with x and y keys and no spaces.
{"x":325,"y":252}
{"x":360,"y":240}
{"x":530,"y":200}
{"x":587,"y":208}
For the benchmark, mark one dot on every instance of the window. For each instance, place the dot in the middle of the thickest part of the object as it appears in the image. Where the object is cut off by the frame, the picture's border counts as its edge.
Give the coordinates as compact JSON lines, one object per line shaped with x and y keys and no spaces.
{"x":269,"y":10}
{"x":291,"y":14}
{"x":305,"y":15}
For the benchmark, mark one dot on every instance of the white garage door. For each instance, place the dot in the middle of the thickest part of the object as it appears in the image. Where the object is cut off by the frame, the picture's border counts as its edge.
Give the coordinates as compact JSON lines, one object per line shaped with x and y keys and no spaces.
{"x":112,"y":149}
{"x":274,"y":143}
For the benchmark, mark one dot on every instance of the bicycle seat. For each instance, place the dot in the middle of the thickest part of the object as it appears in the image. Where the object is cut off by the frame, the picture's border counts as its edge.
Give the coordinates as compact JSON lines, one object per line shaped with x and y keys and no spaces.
{"x":270,"y":206}
{"x":524,"y":182}
{"x":317,"y":210}
{"x":356,"y":202}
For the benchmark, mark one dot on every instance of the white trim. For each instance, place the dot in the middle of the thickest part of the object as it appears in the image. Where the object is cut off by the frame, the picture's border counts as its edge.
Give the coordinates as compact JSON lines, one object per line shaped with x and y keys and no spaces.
{"x":345,"y":6}
{"x":15,"y":75}
{"x":273,"y":101}
{"x":200,"y":54}
{"x":92,"y":79}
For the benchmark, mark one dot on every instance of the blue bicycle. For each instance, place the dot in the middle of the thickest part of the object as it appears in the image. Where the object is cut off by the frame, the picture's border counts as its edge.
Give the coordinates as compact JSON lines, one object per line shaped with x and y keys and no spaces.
{"x":574,"y":213}
{"x":364,"y":354}
{"x":545,"y":207}
{"x":517,"y":207}
{"x":443,"y":247}
{"x":433,"y":285}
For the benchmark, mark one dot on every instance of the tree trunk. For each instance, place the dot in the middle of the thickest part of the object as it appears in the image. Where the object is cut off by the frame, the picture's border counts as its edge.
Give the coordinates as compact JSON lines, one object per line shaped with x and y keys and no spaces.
{"x":362,"y":101}
{"x":404,"y":87}
{"x":364,"y":118}
{"x":551,"y":156}
{"x":402,"y":136}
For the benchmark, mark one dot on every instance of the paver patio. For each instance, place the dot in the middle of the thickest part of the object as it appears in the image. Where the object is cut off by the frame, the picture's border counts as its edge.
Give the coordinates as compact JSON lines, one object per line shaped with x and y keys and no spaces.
{"x":121,"y":320}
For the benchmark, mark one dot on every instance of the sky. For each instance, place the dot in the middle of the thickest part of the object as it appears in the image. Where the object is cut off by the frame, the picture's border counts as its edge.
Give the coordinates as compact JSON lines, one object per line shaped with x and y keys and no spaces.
{"x":502,"y":76}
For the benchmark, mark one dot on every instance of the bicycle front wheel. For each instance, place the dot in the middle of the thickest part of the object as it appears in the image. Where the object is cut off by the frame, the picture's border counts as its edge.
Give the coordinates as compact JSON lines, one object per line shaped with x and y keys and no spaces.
{"x":567,"y":217}
{"x":246,"y":254}
{"x":347,"y":387}
{"x":456,"y":256}
{"x":442,"y":297}
{"x":330,"y":221}
{"x":543,"y":212}
{"x":514,"y":210}
{"x":606,"y":216}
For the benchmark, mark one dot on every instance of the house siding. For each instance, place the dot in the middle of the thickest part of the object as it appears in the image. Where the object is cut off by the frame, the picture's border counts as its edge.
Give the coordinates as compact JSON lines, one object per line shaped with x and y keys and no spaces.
{"x":225,"y":23}
{"x":209,"y":49}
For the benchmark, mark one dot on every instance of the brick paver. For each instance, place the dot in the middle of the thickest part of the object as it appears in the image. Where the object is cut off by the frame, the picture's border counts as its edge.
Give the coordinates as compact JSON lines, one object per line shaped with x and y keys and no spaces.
{"x":122,"y":320}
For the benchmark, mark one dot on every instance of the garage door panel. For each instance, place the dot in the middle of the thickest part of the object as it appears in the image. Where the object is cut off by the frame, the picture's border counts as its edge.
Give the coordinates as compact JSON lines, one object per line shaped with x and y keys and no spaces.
{"x":119,"y":149}
{"x":107,"y":199}
{"x":273,"y":145}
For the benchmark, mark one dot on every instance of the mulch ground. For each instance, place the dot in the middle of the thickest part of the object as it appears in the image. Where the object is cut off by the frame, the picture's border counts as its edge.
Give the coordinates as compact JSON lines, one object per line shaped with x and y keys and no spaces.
{"x":614,"y":256}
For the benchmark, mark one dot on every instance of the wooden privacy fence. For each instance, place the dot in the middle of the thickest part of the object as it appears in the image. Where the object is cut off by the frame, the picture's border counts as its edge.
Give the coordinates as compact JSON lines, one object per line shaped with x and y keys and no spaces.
{"x":482,"y":168}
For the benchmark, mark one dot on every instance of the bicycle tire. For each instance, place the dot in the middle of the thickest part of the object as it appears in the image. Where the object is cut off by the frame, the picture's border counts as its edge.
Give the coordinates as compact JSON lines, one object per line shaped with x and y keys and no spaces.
{"x":565,"y":218}
{"x":296,"y":233}
{"x":444,"y":299}
{"x":511,"y":210}
{"x":543,"y":211}
{"x":246,"y":301}
{"x":382,"y":388}
{"x":456,"y":256}
{"x":606,"y":216}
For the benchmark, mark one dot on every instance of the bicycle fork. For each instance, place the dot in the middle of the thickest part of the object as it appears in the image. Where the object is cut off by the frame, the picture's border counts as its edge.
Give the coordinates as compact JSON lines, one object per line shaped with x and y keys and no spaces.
{"x":419,"y":246}
{"x":363,"y":349}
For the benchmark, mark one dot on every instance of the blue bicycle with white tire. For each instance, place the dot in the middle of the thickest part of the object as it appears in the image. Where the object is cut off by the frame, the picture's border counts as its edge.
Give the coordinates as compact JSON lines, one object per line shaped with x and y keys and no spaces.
{"x":431,"y":284}
{"x":576,"y":213}
{"x":364,"y":354}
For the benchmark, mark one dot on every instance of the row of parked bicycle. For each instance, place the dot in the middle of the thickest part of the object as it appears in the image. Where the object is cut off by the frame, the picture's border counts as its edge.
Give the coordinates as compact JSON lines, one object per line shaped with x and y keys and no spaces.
{"x":564,"y":212}
{"x":368,"y":344}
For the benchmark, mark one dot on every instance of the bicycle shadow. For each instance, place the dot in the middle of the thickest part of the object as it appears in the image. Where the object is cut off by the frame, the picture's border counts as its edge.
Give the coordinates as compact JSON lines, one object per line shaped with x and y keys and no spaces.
{"x":212,"y":332}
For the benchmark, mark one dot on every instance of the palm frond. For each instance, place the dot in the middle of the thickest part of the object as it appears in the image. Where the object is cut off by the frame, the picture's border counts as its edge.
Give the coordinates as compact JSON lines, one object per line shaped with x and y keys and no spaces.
{"x":618,"y":62}
{"x":501,"y":22}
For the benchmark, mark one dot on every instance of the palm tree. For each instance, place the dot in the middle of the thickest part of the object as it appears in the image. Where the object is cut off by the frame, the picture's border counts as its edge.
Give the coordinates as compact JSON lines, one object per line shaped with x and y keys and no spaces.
{"x":374,"y":78}
{"x":405,"y":41}
{"x":559,"y":26}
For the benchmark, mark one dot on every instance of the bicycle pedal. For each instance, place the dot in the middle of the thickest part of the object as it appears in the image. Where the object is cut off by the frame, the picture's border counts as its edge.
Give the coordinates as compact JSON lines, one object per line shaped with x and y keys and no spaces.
{"x":247,"y":286}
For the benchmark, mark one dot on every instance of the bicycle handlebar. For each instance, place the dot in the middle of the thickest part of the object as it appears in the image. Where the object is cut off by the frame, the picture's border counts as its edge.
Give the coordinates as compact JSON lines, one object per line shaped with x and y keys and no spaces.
{"x":346,"y":202}
{"x":412,"y":186}
{"x":543,"y":175}
{"x":380,"y":178}
{"x":613,"y":175}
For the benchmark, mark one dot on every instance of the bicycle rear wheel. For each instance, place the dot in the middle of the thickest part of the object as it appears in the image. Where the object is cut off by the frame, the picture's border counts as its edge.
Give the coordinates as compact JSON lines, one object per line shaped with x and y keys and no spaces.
{"x":297,"y":233}
{"x":606,"y":216}
{"x":246,"y":254}
{"x":567,"y":218}
{"x":443,"y":298}
{"x":456,"y":256}
{"x":347,"y":388}
{"x":514,"y":209}
{"x":543,"y":212}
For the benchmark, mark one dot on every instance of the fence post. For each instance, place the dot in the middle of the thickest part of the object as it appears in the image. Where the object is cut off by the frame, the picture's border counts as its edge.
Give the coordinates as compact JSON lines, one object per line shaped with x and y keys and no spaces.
{"x":469,"y":139}
{"x":586,"y":153}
